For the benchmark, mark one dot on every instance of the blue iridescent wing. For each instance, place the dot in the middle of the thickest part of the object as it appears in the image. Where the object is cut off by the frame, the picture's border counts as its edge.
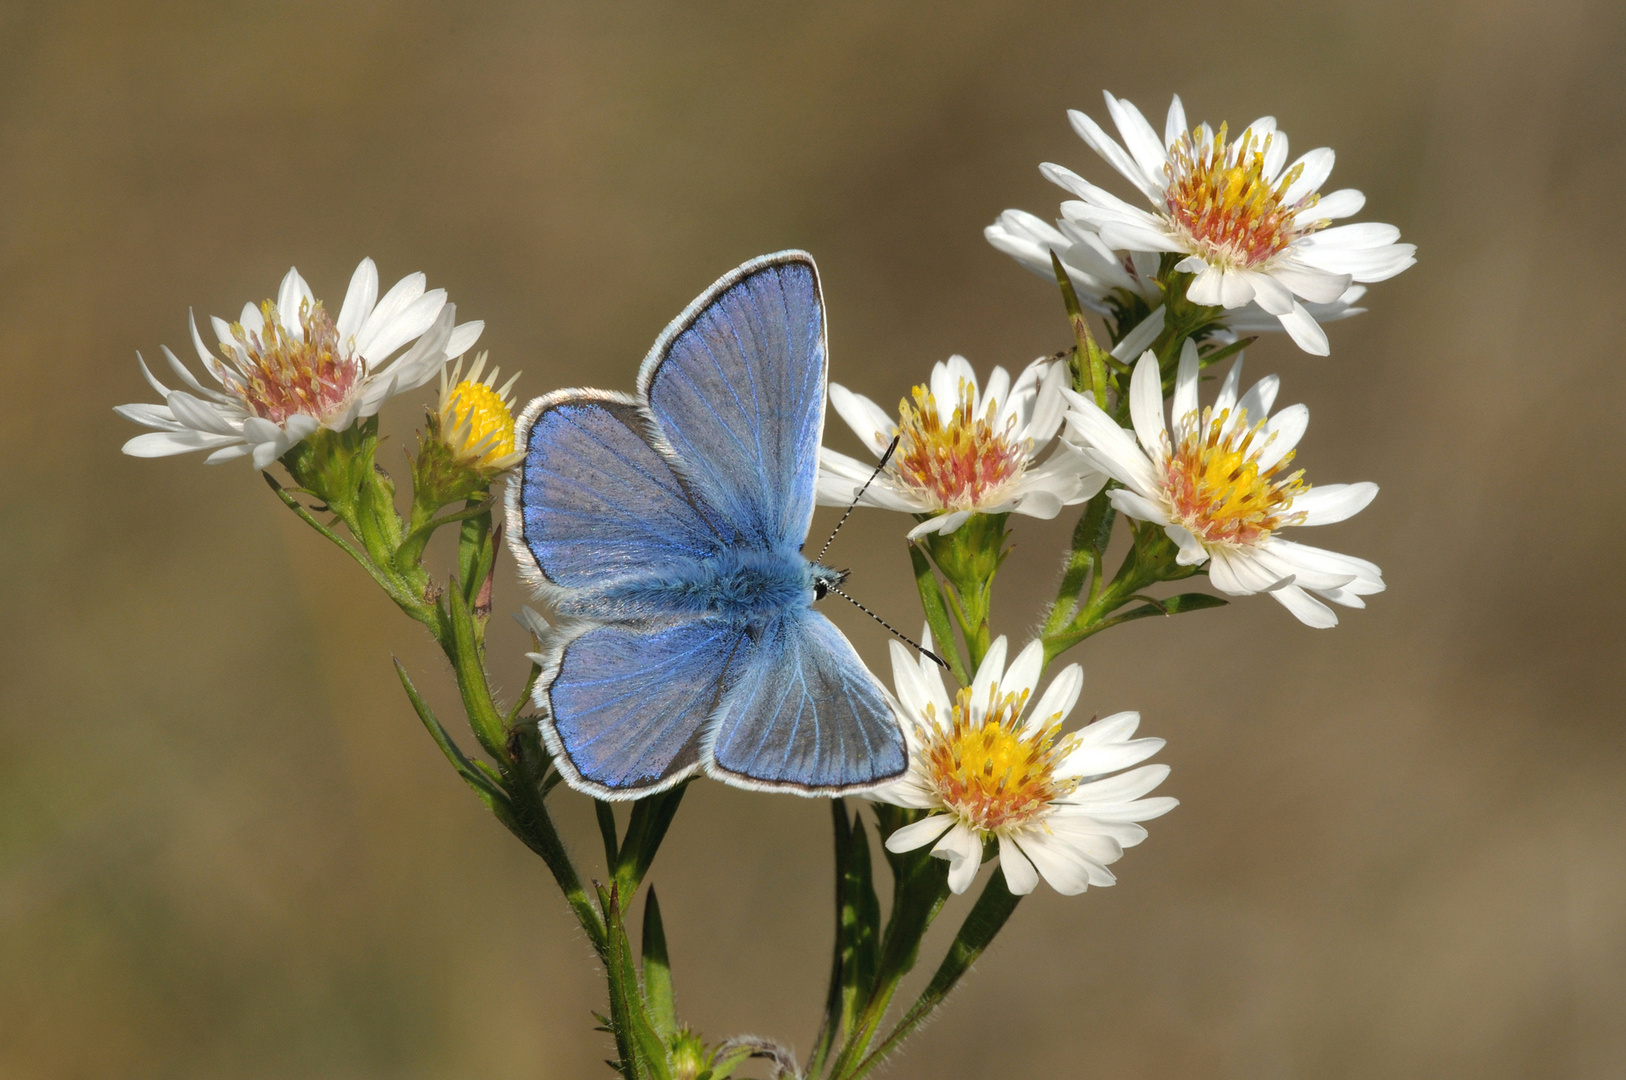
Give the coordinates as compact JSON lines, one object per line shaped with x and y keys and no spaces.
{"x":736,"y":385}
{"x":803,"y":713}
{"x":627,"y":705}
{"x":594,"y":499}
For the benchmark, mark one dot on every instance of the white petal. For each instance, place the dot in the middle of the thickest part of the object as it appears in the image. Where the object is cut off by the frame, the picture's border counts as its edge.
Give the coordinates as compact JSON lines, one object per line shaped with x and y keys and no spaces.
{"x":1023,"y":674}
{"x":1064,"y":870}
{"x":409,"y":323}
{"x":1317,"y":167}
{"x":1205,"y":287}
{"x":1327,"y":503}
{"x":463,"y":338}
{"x":1146,"y":405}
{"x":1226,"y":399}
{"x":963,"y":849}
{"x":1059,"y":697}
{"x":1175,"y":125}
{"x":1187,"y":411}
{"x":1020,"y":876}
{"x":165,"y":443}
{"x":1343,"y":203}
{"x":1273,"y":295}
{"x":988,"y":675}
{"x":1236,"y":288}
{"x":1141,"y":141}
{"x":1259,"y":399}
{"x":1116,"y":450}
{"x":1288,"y":427}
{"x":359,"y":299}
{"x":1113,"y":154}
{"x":293,"y":297}
{"x":401,"y":294}
{"x":1138,"y":506}
{"x":867,"y":419}
{"x":1306,"y":608}
{"x":1141,"y":337}
{"x":919,"y":834}
{"x":1305,"y":331}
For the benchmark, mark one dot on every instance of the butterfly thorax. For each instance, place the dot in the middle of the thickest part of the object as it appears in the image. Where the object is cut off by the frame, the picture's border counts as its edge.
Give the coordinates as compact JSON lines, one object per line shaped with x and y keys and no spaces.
{"x":740,"y":585}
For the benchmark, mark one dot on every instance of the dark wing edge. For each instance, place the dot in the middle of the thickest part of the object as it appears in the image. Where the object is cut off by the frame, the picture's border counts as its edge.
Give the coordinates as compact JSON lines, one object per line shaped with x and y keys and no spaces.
{"x":658,"y":353}
{"x":751,"y":678}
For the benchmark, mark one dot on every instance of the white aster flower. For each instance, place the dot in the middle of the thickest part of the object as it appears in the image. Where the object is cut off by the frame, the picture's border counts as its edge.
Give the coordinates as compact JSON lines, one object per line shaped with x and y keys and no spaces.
{"x":287,"y":368}
{"x":1253,"y":229}
{"x":1215,"y":484}
{"x":962,"y":449}
{"x":985,"y":765}
{"x":1110,"y":283}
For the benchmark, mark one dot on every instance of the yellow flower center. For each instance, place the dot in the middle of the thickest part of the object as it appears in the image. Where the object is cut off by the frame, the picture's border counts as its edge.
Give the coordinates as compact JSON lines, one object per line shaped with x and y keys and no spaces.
{"x":1220,"y":198}
{"x":285,"y":373}
{"x":476,"y":423}
{"x":991,"y":772}
{"x":1215,"y":488}
{"x":963,"y":464}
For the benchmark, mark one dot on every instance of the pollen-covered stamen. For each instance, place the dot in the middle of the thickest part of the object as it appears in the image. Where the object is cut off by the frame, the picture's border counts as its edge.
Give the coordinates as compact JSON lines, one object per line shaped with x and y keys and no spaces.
{"x":963,"y":464}
{"x":1215,"y":488}
{"x":1220,"y":199}
{"x":992,"y":772}
{"x":279,"y":374}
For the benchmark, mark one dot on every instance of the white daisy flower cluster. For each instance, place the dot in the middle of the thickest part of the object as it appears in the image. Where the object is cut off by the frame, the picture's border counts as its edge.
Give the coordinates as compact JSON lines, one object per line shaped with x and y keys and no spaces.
{"x":1255,"y":231}
{"x":287,"y":368}
{"x":962,"y":449}
{"x":984,"y":765}
{"x":1217,"y":482}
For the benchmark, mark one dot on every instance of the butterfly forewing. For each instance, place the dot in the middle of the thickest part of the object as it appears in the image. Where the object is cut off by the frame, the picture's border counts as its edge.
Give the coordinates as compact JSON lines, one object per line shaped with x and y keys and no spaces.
{"x":736,"y":386}
{"x":595,"y":500}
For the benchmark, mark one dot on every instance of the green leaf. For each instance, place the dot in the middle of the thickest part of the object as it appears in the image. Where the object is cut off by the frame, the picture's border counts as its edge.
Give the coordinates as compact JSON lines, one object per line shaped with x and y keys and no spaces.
{"x":1090,"y":538}
{"x":1091,"y":359}
{"x":985,"y":920}
{"x":606,"y":830}
{"x":651,"y":817}
{"x":640,"y":1049}
{"x":488,"y":788}
{"x":937,"y":616}
{"x":860,"y":924}
{"x":659,"y":996}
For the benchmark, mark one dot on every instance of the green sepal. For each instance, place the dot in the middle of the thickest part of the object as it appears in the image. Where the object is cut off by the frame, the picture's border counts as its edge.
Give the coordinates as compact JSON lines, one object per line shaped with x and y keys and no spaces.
{"x":968,"y":558}
{"x":659,"y":996}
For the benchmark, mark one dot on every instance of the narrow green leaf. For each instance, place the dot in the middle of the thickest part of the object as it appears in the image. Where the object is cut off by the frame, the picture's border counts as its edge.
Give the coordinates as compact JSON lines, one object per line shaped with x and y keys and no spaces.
{"x":1092,"y":361}
{"x":830,"y":1025}
{"x":1090,"y":538}
{"x":468,"y":664}
{"x":635,"y":1037}
{"x":860,"y":924}
{"x":489,"y":789}
{"x":606,"y":830}
{"x":937,"y":616}
{"x":985,"y":920}
{"x":651,"y":818}
{"x":1214,"y":356}
{"x":659,"y":996}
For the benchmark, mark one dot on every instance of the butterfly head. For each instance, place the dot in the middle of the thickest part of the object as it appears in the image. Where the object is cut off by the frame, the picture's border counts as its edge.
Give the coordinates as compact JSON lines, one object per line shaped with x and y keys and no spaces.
{"x":825,"y":579}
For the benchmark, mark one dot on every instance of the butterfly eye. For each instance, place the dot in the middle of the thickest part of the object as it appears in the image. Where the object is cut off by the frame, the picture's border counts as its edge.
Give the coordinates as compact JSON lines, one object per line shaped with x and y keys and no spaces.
{"x":820,"y":589}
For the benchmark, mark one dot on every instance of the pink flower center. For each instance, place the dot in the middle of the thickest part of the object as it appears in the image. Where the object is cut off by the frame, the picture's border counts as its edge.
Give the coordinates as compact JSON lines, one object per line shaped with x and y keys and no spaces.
{"x":280,"y":374}
{"x":963,"y":464}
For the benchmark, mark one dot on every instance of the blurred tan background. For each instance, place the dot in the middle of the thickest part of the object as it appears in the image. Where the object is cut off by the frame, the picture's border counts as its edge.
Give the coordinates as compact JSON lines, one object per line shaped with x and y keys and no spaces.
{"x":228,"y":850}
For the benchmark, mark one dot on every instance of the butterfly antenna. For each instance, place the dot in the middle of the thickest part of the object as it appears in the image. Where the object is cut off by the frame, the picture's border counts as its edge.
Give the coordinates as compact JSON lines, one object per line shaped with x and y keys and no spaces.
{"x":938,"y":660}
{"x":886,"y":457}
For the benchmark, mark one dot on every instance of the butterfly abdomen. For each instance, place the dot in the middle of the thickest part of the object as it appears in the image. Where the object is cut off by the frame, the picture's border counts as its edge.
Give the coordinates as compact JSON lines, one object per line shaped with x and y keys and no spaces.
{"x":741,"y":585}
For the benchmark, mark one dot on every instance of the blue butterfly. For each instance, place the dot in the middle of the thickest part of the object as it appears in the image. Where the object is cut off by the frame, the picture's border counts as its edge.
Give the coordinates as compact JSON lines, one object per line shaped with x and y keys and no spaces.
{"x":666,"y":529}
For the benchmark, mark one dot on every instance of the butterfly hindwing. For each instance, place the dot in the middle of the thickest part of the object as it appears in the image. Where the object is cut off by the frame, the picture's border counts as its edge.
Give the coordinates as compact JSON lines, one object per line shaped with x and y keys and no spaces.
{"x":803,"y":713}
{"x":736,"y":386}
{"x":595,"y":500}
{"x":628,"y":704}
